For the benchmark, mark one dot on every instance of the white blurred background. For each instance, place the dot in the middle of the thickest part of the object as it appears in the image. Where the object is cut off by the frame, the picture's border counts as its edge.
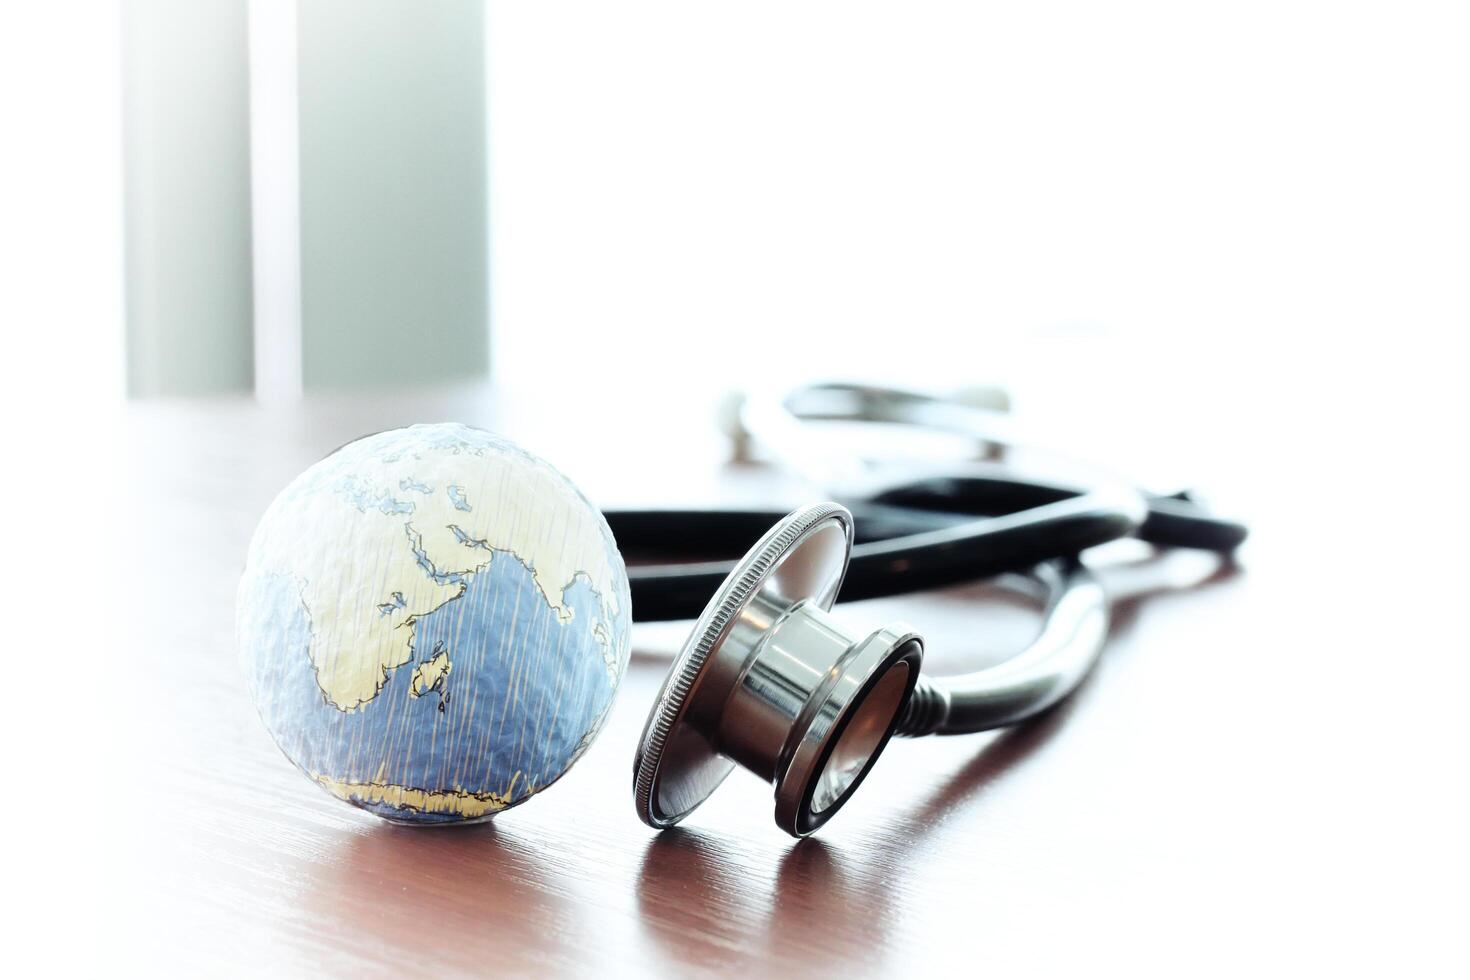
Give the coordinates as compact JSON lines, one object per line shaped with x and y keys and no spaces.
{"x":693,"y":195}
{"x":924,"y":188}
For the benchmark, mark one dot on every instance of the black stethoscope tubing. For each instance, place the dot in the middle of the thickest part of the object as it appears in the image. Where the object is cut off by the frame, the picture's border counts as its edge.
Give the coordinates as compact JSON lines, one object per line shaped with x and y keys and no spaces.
{"x":911,"y":536}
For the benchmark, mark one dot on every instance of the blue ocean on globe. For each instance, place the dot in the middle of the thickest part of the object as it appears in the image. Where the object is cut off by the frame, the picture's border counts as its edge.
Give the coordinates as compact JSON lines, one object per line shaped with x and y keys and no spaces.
{"x":422,"y":625}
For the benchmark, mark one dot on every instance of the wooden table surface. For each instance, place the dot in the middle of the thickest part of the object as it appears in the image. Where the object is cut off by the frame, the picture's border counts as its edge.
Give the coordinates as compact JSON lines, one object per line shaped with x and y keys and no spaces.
{"x":1266,"y":774}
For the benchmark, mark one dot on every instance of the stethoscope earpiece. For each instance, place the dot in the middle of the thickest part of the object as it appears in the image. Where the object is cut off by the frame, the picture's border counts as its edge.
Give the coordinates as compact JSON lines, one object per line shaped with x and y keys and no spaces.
{"x":771,"y":681}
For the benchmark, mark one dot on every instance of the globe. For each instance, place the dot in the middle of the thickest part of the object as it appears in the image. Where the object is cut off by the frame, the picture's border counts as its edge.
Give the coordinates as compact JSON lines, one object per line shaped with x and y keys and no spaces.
{"x":433,"y":622}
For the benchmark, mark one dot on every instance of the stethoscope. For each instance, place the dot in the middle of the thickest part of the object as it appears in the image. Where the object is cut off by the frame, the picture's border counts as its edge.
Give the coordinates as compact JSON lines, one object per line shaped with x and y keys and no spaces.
{"x":772,"y":681}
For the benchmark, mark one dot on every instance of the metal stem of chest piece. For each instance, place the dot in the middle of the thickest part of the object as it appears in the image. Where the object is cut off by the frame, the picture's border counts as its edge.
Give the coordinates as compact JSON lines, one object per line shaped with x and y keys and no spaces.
{"x":798,"y":675}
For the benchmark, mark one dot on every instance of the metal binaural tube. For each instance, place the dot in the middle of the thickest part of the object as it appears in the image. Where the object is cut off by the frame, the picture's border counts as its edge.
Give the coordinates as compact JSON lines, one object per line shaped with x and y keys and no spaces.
{"x":1072,"y":636}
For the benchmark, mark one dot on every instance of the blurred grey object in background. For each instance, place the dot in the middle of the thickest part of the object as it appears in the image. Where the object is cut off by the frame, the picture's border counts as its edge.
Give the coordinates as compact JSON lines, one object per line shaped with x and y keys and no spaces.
{"x":354,"y":135}
{"x":392,"y":206}
{"x":187,"y":197}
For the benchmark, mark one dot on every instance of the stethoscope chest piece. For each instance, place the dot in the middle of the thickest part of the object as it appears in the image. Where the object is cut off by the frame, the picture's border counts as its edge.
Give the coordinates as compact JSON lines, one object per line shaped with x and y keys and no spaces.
{"x":771,"y":681}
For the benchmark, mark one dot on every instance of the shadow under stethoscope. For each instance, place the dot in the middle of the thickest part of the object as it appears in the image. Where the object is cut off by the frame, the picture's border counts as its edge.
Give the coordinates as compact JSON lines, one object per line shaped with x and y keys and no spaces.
{"x":702,"y":902}
{"x":699,"y":900}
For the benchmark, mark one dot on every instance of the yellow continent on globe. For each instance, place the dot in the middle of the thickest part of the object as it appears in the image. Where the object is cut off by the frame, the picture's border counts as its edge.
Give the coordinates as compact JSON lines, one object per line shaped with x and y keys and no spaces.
{"x":460,"y":802}
{"x":415,"y":527}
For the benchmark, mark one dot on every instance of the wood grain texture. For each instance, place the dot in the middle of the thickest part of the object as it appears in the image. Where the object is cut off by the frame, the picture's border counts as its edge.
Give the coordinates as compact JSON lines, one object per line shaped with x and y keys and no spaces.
{"x":1243,"y":785}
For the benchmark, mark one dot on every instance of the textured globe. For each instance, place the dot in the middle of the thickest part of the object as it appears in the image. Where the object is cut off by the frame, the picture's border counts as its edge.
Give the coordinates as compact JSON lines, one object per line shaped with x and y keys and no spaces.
{"x":434,"y":623}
